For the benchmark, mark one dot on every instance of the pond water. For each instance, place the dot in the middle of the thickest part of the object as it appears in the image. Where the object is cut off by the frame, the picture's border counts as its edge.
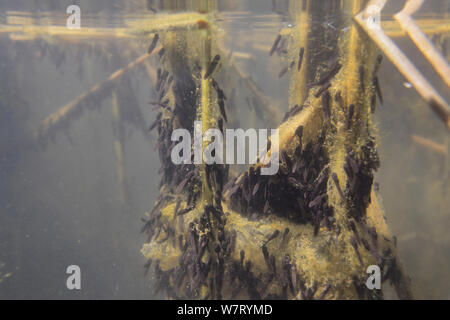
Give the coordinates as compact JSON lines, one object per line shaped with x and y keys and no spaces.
{"x":73,"y":189}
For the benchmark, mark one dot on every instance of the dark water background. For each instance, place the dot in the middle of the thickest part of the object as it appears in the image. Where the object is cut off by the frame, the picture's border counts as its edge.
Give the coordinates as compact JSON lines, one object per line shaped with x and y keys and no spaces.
{"x":60,"y":205}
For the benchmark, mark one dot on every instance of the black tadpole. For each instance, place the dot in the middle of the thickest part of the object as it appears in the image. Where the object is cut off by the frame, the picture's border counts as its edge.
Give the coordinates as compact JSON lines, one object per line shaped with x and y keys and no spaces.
{"x":186,"y":210}
{"x":299,"y":132}
{"x":326,"y":105}
{"x":361,"y":77}
{"x":212,"y":67}
{"x":275,"y":45}
{"x":283,"y":72}
{"x":322,"y":89}
{"x":376,"y":84}
{"x":222,"y":110}
{"x":351,"y":110}
{"x":300,"y":58}
{"x":153,"y":44}
{"x":273,"y":236}
{"x":338,"y":187}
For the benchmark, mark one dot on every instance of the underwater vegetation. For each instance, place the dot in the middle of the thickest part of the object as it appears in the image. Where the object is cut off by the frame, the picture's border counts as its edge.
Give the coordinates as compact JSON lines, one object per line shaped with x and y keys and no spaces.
{"x":279,"y":236}
{"x":216,"y":235}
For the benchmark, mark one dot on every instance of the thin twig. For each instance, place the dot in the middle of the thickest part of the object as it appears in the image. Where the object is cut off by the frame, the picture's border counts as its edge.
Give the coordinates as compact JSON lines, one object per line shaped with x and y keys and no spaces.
{"x":439,"y":148}
{"x":56,"y":119}
{"x":406,"y":67}
{"x":421,"y":40}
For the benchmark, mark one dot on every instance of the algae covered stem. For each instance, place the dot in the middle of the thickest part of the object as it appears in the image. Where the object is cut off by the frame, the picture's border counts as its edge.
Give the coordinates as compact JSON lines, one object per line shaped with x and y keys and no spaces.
{"x":322,"y":193}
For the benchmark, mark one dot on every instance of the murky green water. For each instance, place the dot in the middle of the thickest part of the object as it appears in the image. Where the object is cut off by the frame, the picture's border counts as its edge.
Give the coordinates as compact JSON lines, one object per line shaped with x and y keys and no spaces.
{"x":62,"y":200}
